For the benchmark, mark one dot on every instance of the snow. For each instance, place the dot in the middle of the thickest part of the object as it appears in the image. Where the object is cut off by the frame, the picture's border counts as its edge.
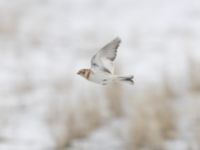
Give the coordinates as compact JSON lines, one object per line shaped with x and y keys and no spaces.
{"x":43,"y":43}
{"x":106,"y":137}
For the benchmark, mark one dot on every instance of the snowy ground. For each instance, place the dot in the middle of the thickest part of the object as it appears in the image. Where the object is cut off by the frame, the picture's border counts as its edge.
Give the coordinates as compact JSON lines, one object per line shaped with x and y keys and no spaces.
{"x":44,"y":105}
{"x":111,"y":136}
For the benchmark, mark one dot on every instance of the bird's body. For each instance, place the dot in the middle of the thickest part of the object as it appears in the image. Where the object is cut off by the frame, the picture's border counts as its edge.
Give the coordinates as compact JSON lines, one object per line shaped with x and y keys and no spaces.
{"x":102,"y":67}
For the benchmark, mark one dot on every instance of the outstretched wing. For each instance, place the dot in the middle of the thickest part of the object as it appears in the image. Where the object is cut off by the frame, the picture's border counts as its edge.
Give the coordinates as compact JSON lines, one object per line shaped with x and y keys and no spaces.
{"x":104,"y":58}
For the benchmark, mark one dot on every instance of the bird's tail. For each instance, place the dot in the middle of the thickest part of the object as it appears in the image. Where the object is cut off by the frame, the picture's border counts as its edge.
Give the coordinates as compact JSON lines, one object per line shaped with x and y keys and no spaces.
{"x":127,"y":79}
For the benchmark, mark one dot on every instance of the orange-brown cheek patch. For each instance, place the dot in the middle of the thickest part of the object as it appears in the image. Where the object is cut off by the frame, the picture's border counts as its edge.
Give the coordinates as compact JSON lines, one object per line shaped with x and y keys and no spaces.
{"x":87,"y":74}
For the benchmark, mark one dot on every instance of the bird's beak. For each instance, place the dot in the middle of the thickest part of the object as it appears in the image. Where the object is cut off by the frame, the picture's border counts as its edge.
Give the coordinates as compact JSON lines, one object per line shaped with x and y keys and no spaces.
{"x":78,"y":73}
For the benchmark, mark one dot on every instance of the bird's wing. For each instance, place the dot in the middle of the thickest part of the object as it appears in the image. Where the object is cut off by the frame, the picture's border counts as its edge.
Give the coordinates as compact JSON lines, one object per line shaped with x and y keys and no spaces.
{"x":104,"y":58}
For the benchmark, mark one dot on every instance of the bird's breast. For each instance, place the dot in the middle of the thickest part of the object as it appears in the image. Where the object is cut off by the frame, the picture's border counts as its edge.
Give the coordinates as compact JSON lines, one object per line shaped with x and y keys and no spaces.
{"x":98,"y":77}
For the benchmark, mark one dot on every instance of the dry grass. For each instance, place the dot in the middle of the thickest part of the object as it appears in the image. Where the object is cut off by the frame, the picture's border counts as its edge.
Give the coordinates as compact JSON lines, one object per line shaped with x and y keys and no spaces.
{"x":166,"y":90}
{"x":68,"y":120}
{"x":9,"y":22}
{"x":88,"y":118}
{"x":197,"y":133}
{"x":195,"y":126}
{"x":78,"y":123}
{"x":114,"y":96}
{"x":144,"y":133}
{"x":153,"y":120}
{"x":83,"y":117}
{"x":194,"y":71}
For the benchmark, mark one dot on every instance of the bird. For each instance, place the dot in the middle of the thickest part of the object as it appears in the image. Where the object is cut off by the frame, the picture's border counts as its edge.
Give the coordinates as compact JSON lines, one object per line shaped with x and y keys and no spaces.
{"x":102,"y":66}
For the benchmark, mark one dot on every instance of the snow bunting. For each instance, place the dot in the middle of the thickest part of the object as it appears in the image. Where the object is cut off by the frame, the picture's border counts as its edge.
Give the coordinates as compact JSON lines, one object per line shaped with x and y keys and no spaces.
{"x":102,"y":66}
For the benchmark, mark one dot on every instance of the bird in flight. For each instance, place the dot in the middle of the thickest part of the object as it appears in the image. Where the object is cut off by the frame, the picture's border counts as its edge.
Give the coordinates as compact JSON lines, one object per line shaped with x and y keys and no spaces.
{"x":102,"y":66}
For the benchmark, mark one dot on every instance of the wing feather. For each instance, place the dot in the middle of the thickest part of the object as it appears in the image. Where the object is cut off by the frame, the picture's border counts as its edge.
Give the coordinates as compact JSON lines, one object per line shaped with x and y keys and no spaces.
{"x":109,"y":51}
{"x":103,"y":59}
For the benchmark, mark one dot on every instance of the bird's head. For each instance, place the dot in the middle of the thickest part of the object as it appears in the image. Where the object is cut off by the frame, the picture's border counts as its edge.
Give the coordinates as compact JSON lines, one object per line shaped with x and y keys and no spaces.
{"x":84,"y":73}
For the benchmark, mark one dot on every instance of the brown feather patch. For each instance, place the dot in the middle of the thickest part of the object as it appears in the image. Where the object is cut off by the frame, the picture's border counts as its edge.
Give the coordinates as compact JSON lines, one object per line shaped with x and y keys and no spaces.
{"x":87,"y":73}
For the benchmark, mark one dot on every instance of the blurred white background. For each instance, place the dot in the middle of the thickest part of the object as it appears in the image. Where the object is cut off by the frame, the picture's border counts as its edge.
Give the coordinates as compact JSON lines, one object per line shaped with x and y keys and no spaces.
{"x":44,"y":105}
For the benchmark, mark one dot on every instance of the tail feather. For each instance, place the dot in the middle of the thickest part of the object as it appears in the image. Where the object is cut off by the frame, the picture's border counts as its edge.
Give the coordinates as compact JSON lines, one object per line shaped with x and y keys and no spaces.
{"x":128,"y":79}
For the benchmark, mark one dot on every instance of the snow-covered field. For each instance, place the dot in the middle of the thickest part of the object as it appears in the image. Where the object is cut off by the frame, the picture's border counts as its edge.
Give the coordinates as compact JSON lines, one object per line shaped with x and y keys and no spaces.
{"x":44,"y":105}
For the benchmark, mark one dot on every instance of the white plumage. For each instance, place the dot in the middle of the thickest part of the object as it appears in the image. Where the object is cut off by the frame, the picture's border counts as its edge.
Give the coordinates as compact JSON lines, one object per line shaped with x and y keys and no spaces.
{"x":102,"y":65}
